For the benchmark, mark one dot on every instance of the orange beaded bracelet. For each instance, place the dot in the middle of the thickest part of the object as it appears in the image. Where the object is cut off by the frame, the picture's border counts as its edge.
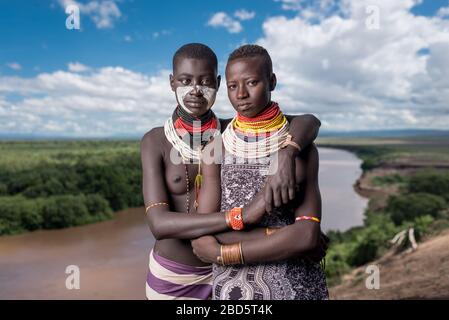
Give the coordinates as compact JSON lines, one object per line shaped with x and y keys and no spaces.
{"x":234,"y":219}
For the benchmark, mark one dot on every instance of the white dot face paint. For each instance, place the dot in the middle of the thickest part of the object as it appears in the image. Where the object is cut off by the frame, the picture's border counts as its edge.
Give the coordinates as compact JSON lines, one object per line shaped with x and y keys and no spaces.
{"x":208,"y":93}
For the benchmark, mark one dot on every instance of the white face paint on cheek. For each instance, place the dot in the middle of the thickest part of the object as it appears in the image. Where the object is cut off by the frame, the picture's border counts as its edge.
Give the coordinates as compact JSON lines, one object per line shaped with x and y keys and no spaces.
{"x":208,"y":93}
{"x":181,"y":93}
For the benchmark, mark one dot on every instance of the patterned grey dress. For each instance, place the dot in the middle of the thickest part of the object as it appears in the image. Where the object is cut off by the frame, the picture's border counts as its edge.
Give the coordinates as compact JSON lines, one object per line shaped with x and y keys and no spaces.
{"x":292,"y":279}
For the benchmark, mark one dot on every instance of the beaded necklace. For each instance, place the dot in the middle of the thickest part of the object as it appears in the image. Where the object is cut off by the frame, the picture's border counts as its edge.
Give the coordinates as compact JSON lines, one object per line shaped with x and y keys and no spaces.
{"x":181,"y":124}
{"x":256,"y":137}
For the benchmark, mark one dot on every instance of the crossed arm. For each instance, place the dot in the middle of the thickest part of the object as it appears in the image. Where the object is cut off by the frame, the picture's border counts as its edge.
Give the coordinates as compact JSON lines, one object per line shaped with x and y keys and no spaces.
{"x":294,"y":240}
{"x":165,"y":223}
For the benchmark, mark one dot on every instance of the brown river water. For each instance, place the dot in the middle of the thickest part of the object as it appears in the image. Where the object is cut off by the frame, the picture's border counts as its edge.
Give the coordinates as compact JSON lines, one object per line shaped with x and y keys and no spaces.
{"x":112,"y":256}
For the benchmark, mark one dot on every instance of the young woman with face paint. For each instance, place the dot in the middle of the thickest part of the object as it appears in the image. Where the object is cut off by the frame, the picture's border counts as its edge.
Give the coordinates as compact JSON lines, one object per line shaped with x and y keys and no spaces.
{"x":172,"y":181}
{"x":269,"y":261}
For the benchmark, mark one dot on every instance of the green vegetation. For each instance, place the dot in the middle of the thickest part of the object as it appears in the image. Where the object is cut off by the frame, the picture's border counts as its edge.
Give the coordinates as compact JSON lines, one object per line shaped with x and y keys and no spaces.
{"x":424,"y":211}
{"x":407,"y":207}
{"x":376,"y":152}
{"x":422,"y":202}
{"x":58,"y":184}
{"x":389,"y":179}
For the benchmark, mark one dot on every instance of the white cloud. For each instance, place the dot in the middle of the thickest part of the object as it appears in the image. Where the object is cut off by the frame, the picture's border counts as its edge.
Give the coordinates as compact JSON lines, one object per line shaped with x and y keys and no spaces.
{"x":317,"y":10}
{"x":443,"y":12}
{"x":14,"y":65}
{"x":221,"y":19}
{"x":103,"y":13}
{"x":356,"y":78}
{"x":243,"y":14}
{"x":127,"y":38}
{"x":77,"y":67}
{"x":291,"y":4}
{"x":103,"y":102}
{"x":351,"y":77}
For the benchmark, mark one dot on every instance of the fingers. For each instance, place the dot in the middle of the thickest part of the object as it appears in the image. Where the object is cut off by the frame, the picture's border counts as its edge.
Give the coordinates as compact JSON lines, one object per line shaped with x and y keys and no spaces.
{"x":268,"y":199}
{"x":291,"y":192}
{"x":277,"y":198}
{"x":285,"y":196}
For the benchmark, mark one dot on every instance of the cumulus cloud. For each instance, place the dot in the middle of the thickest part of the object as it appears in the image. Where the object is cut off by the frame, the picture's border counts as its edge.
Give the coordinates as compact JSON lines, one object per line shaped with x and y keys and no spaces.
{"x":243,"y":14}
{"x":351,"y":76}
{"x":77,"y":67}
{"x":103,"y":13}
{"x":290,"y":4}
{"x":103,"y":102}
{"x":443,"y":12}
{"x":110,"y":101}
{"x":354,"y":77}
{"x":222,"y":19}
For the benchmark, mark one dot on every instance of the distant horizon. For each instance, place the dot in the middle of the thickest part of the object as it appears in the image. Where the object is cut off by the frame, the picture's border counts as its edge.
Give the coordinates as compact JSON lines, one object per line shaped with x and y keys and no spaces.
{"x":392,"y":133}
{"x":355,"y":64}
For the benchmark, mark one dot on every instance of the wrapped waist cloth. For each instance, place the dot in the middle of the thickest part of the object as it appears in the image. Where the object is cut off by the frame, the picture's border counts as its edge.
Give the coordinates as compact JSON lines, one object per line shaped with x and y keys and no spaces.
{"x":170,"y":280}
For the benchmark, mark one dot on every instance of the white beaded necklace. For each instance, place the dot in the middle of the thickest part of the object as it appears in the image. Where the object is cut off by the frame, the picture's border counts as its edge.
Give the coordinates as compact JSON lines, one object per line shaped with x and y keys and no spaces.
{"x":187,"y":153}
{"x":254,"y":149}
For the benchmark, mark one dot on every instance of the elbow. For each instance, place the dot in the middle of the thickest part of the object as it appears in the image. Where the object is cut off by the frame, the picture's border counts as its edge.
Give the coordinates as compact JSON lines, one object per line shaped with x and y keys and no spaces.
{"x":313,"y":119}
{"x":310,"y":242}
{"x":155,"y":227}
{"x":313,"y":123}
{"x":157,"y":235}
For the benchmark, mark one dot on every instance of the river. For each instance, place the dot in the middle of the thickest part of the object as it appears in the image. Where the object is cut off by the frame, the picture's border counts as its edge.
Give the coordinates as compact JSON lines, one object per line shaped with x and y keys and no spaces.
{"x":112,"y":255}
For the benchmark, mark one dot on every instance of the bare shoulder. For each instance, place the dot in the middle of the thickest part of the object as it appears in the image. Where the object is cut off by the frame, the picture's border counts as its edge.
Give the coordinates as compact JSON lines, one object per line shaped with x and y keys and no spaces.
{"x":303,"y":117}
{"x":152,"y":138}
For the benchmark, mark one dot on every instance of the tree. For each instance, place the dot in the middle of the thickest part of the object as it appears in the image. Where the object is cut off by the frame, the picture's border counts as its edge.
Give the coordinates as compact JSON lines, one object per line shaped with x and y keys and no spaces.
{"x":409,"y":206}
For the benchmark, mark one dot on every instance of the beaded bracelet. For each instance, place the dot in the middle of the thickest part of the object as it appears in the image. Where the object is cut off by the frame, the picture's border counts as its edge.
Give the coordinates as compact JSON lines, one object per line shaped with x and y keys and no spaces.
{"x":307,"y":218}
{"x":155,"y":204}
{"x":234,"y":219}
{"x":290,"y":142}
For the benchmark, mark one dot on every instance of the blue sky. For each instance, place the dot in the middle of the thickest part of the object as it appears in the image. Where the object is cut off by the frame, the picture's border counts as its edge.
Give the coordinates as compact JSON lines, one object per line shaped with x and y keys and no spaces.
{"x":44,"y":66}
{"x":34,"y":33}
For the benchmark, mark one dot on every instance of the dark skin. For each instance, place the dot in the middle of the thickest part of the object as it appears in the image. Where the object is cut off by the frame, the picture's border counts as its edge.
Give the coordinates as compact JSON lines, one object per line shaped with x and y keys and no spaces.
{"x":249,"y":90}
{"x":164,"y":181}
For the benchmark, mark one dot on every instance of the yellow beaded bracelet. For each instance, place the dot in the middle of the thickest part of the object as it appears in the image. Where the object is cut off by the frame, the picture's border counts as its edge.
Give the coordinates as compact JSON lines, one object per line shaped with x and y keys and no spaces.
{"x":155,"y":204}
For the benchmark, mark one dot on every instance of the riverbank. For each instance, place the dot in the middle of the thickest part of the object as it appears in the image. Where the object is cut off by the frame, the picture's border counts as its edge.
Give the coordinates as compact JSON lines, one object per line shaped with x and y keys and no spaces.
{"x":388,"y":162}
{"x":399,"y":176}
{"x":60,"y":184}
{"x":112,"y":257}
{"x":47,"y":185}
